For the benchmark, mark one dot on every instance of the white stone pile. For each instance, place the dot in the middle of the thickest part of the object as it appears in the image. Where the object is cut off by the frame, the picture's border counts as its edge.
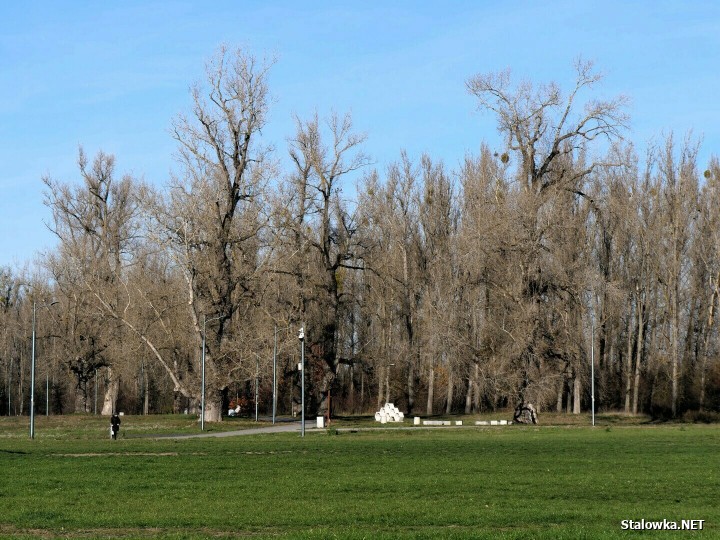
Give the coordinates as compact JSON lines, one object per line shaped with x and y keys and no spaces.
{"x":389,"y":413}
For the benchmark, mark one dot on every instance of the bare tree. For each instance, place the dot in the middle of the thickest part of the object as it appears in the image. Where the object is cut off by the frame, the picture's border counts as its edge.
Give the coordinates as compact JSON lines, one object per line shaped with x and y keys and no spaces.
{"x":678,"y":184}
{"x":549,"y":134}
{"x":456,"y":290}
{"x":706,"y":266}
{"x":96,"y":223}
{"x":325,"y":239}
{"x":215,"y":214}
{"x":392,"y":211}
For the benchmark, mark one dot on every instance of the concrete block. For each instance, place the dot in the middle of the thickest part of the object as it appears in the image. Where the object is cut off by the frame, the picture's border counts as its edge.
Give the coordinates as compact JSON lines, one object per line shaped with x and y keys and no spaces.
{"x":494,"y":423}
{"x":320,"y":422}
{"x":416,"y":421}
{"x":458,"y":422}
{"x":482,"y":423}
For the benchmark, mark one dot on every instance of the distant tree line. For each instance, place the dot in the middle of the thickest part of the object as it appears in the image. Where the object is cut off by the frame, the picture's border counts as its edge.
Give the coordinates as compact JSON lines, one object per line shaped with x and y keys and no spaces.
{"x":442,"y":290}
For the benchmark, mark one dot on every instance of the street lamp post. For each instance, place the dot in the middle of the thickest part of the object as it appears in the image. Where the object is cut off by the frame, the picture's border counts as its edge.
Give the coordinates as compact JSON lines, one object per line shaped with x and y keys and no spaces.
{"x":96,"y":391}
{"x":32,"y":371}
{"x":202,"y":398}
{"x":301,"y":336}
{"x":387,"y":383}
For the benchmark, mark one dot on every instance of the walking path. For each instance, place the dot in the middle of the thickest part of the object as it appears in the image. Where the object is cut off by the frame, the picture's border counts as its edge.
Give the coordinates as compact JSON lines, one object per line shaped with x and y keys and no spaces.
{"x":278,"y":428}
{"x":295,"y":426}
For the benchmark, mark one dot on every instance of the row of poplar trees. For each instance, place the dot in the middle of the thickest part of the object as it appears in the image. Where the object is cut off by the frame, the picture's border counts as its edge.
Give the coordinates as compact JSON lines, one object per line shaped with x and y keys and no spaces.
{"x":442,"y":290}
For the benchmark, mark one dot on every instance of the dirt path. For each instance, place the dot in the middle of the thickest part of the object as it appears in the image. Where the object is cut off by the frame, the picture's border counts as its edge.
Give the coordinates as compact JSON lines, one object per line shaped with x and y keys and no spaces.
{"x":278,"y":428}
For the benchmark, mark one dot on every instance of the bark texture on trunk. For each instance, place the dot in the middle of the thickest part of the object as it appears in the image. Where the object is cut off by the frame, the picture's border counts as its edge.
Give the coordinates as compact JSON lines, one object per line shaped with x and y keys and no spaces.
{"x":112,"y":388}
{"x":431,"y":392}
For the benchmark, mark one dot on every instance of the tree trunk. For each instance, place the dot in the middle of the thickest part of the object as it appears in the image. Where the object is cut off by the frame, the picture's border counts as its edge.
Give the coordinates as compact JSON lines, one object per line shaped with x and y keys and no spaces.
{"x":431,"y":391}
{"x":675,"y":348}
{"x":638,"y":356}
{"x":381,"y":384}
{"x":576,"y":393}
{"x":146,"y":393}
{"x":448,"y":407}
{"x":703,"y":369}
{"x":476,"y":397}
{"x":362,"y":390}
{"x":351,"y":393}
{"x":468,"y":396}
{"x":711,"y":318}
{"x":411,"y":387}
{"x":213,"y":409}
{"x":213,"y":404}
{"x":568,"y":399}
{"x":9,"y":387}
{"x":559,"y":405}
{"x":178,"y":400}
{"x":628,"y":361}
{"x":81,"y":399}
{"x":112,"y":388}
{"x":21,"y":386}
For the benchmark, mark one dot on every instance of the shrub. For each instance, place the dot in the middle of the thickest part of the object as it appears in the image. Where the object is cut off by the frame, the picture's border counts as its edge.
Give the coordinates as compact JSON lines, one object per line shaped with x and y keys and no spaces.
{"x":701,"y":417}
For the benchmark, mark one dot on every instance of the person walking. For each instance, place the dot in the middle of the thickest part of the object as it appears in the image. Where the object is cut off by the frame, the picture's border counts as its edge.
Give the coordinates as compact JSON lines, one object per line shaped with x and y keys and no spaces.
{"x":114,"y":425}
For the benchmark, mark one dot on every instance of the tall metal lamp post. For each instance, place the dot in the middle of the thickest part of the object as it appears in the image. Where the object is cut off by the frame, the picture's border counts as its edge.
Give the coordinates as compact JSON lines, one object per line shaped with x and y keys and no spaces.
{"x":202,"y":398}
{"x":301,"y":337}
{"x":32,"y":370}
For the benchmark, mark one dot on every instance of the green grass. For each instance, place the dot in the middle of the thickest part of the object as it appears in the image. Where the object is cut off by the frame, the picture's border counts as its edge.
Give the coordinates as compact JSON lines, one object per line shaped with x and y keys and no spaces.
{"x":558,"y":481}
{"x":98,"y":427}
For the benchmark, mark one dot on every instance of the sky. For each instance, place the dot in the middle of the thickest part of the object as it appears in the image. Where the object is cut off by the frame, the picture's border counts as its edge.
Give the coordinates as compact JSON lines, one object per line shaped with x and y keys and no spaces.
{"x":111,"y":76}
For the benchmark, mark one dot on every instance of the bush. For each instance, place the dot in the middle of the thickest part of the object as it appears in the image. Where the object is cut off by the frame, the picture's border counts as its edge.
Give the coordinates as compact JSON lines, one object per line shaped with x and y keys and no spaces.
{"x":701,"y":417}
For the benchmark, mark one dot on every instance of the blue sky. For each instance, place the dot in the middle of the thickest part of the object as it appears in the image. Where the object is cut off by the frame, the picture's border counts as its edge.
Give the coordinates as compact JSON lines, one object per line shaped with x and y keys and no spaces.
{"x":112,"y":76}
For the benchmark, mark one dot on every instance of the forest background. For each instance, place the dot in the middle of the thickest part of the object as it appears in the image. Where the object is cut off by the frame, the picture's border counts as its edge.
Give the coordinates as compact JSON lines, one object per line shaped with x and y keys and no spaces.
{"x":467,"y":289}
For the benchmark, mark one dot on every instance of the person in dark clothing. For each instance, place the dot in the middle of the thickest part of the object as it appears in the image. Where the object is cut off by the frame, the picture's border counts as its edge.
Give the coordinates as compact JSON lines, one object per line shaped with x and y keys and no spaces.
{"x":114,"y":425}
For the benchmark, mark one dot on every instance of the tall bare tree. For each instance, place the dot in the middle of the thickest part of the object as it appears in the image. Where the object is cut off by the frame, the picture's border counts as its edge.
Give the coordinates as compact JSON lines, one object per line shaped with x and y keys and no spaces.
{"x":96,"y":223}
{"x":324,"y":234}
{"x":214,"y":217}
{"x":549,"y":133}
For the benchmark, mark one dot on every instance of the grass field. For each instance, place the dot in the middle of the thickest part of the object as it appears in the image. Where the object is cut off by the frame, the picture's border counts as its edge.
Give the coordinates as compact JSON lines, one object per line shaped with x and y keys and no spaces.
{"x":561,"y":481}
